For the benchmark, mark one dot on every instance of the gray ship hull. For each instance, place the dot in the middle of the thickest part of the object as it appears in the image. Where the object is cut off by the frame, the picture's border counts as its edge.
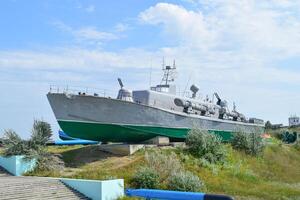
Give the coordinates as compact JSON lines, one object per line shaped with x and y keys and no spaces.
{"x":112,"y":120}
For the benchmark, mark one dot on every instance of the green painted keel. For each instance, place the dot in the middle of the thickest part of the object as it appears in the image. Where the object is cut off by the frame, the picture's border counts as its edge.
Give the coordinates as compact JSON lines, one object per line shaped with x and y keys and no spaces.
{"x":126,"y":133}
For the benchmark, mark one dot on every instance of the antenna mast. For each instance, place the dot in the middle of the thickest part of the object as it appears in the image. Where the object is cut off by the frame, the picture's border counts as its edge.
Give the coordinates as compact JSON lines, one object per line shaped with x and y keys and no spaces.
{"x":187,"y":84}
{"x":150,"y":77}
{"x":169,"y":73}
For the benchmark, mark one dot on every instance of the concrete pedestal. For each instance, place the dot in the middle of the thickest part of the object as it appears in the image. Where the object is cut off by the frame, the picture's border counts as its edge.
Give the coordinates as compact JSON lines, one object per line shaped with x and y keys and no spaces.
{"x":121,"y":149}
{"x":159,"y":140}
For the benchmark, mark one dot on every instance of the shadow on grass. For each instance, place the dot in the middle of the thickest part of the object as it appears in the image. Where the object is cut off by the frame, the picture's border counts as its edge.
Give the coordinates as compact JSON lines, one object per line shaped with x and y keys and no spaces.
{"x":84,"y":155}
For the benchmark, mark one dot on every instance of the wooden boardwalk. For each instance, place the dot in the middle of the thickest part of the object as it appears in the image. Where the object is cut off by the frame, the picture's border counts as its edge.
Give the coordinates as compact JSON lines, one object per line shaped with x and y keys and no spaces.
{"x":12,"y":187}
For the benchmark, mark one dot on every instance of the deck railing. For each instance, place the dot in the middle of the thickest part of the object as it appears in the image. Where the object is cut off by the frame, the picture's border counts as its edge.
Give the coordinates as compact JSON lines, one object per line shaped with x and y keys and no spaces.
{"x":102,"y":92}
{"x":81,"y":90}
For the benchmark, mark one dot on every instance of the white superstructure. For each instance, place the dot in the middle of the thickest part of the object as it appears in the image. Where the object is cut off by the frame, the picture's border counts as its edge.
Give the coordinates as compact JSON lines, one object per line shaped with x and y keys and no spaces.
{"x":294,"y":120}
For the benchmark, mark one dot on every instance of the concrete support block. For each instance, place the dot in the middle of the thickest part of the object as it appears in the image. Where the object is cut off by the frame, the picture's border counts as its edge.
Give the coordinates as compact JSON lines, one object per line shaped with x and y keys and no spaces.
{"x":178,"y":144}
{"x":121,"y":149}
{"x":159,"y":140}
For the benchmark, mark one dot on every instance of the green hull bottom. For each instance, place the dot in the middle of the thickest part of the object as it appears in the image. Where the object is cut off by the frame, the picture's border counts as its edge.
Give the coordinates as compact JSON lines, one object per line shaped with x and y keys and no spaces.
{"x":126,"y":133}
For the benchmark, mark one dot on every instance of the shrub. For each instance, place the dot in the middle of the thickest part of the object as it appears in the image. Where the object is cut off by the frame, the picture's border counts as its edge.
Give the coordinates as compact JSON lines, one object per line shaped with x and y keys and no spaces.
{"x":41,"y":133}
{"x":163,"y":164}
{"x":163,"y":170}
{"x":146,"y":177}
{"x":34,"y":148}
{"x":250,"y":143}
{"x":185,"y":181}
{"x":13,"y":144}
{"x":203,"y":144}
{"x":289,"y":137}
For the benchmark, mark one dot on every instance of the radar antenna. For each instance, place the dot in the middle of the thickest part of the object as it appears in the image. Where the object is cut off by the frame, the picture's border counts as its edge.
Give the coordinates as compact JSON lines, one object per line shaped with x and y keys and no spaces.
{"x":120,"y":83}
{"x":194,"y":89}
{"x":218,"y":97}
{"x":169,"y":73}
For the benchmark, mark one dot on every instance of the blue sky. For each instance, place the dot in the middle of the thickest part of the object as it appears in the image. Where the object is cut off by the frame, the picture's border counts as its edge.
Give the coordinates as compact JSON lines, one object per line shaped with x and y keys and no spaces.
{"x":248,"y":51}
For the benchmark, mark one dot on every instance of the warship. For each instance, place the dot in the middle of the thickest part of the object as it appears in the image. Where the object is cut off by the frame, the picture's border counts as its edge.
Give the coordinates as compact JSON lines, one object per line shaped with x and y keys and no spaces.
{"x":140,"y":115}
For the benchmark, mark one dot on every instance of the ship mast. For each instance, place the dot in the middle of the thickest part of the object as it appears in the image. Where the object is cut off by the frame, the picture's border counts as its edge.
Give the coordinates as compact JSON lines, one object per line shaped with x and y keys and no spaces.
{"x":169,"y":73}
{"x":168,"y":76}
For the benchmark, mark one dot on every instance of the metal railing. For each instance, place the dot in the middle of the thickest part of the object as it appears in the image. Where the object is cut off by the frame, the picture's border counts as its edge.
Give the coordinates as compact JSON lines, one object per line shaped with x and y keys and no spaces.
{"x":81,"y":90}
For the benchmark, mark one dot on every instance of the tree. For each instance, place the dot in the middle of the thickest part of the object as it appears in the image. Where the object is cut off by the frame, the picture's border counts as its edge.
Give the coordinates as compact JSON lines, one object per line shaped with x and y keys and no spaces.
{"x":268,"y":125}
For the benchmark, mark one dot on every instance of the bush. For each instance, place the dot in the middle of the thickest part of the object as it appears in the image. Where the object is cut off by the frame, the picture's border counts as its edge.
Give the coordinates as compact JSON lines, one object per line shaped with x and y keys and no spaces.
{"x":34,"y":148}
{"x":13,"y":144}
{"x":146,"y":177}
{"x":203,"y":144}
{"x":185,"y":181}
{"x":160,"y":166}
{"x":163,"y":170}
{"x":163,"y":164}
{"x":250,"y":143}
{"x":41,"y":133}
{"x":289,"y":137}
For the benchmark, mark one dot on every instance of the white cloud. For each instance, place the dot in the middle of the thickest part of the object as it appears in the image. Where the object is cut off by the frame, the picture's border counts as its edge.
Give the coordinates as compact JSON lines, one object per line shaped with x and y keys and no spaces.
{"x":90,"y":33}
{"x":207,"y":69}
{"x":89,"y":9}
{"x":183,"y":25}
{"x":121,"y":27}
{"x":246,"y":36}
{"x":73,"y":59}
{"x":237,"y":26}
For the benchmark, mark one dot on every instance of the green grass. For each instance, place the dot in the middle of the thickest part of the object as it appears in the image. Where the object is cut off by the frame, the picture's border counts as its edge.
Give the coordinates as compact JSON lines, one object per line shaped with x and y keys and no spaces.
{"x":274,"y":175}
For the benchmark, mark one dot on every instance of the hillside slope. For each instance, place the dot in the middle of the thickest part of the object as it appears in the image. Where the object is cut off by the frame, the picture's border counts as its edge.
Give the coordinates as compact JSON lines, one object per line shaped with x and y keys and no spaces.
{"x":274,"y":175}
